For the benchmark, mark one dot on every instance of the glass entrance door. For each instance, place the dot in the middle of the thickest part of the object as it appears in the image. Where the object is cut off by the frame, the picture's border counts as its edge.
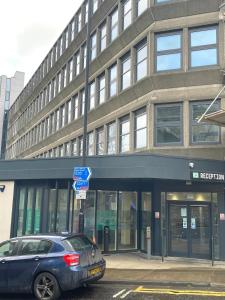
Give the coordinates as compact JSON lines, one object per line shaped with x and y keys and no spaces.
{"x":189,"y":230}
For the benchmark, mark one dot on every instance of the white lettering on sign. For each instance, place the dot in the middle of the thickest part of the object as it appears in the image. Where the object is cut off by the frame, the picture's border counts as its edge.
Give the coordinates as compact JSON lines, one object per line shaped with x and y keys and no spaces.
{"x":212,"y":176}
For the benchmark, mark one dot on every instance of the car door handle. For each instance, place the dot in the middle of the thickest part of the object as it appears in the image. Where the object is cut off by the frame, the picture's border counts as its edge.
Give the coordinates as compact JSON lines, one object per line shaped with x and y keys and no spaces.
{"x":36,"y":258}
{"x":3,"y":261}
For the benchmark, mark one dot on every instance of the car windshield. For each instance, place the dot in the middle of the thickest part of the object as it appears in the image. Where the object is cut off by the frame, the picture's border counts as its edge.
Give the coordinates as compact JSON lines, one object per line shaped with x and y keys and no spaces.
{"x":77,"y":243}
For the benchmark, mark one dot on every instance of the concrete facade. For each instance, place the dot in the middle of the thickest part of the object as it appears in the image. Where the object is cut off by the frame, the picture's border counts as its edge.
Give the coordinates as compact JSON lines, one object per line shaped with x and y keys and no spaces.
{"x":179,"y":86}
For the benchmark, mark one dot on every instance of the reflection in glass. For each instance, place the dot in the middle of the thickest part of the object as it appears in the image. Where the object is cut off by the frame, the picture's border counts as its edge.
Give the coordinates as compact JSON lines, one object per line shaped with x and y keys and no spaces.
{"x":169,"y":62}
{"x":30,"y":197}
{"x":62,"y":210}
{"x":52,"y":210}
{"x":37,"y":211}
{"x":127,"y":220}
{"x":106,"y":216}
{"x":204,"y":57}
{"x":22,"y":195}
{"x":146,"y":210}
{"x":89,"y":214}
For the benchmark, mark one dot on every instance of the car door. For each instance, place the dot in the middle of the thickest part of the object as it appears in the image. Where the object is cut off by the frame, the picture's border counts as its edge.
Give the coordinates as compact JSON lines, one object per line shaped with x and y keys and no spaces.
{"x":22,"y":270}
{"x":7,"y":251}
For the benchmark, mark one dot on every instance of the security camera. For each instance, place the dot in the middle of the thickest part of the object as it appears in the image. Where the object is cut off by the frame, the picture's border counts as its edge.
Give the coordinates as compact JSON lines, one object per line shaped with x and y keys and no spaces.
{"x":2,"y":188}
{"x":191,"y":165}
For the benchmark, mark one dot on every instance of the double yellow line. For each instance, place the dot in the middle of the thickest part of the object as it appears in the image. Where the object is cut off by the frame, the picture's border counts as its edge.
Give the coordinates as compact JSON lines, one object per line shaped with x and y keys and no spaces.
{"x":141,"y":289}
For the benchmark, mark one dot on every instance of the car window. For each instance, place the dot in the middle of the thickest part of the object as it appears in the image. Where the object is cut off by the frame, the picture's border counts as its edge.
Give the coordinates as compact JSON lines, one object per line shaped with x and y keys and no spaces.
{"x":8,"y":248}
{"x":34,"y":246}
{"x":77,"y":243}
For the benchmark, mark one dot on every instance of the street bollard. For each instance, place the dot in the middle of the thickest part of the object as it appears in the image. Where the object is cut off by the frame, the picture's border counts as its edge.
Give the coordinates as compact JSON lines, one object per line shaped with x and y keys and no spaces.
{"x":106,"y":240}
{"x":148,"y":237}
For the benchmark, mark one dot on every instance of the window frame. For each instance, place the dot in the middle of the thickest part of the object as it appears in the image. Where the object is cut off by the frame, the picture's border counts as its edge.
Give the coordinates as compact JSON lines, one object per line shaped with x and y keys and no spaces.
{"x":168,"y":52}
{"x":193,"y":123}
{"x":171,"y":124}
{"x":203,"y":47}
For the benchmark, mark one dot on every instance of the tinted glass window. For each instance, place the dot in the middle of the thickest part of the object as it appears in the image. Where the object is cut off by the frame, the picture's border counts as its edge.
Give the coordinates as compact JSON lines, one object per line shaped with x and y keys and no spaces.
{"x":8,"y":248}
{"x":203,"y":47}
{"x":168,"y":49}
{"x":34,"y":246}
{"x":77,"y":243}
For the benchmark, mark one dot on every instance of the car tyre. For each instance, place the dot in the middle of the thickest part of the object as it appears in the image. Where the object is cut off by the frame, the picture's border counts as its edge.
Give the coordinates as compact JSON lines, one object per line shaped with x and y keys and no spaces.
{"x":46,"y":287}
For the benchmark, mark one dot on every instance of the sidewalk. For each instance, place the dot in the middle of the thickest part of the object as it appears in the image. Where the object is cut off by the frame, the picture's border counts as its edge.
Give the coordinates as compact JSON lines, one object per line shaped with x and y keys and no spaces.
{"x":135,"y":268}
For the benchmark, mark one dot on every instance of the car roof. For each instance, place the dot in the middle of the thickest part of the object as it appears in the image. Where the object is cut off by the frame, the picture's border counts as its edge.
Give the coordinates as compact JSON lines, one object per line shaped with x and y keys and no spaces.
{"x":50,"y":236}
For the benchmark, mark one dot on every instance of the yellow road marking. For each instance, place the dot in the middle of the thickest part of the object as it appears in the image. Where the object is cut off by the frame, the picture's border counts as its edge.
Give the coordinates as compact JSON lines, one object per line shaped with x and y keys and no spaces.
{"x":141,"y":289}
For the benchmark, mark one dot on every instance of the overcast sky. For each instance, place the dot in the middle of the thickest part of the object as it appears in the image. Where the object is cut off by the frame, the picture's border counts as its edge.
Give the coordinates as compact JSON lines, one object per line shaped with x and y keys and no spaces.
{"x":28,"y":29}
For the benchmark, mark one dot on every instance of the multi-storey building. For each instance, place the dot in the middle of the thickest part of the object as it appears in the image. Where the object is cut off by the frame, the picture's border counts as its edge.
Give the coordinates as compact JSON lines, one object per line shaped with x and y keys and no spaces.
{"x":9,"y":90}
{"x":155,"y":65}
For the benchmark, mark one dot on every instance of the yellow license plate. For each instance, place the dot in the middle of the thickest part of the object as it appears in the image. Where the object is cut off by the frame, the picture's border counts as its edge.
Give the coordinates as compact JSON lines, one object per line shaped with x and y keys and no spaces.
{"x":94,"y":271}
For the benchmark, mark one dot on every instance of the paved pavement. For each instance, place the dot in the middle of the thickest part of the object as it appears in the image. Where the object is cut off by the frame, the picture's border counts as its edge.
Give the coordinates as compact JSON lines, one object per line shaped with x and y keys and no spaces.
{"x":134,"y":267}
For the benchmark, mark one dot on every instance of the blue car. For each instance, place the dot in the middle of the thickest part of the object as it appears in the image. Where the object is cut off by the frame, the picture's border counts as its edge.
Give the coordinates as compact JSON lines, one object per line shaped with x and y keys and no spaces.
{"x":47,"y":265}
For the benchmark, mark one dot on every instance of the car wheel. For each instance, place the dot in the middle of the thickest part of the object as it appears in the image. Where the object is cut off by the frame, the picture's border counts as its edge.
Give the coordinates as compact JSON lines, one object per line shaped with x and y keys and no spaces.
{"x":46,"y":287}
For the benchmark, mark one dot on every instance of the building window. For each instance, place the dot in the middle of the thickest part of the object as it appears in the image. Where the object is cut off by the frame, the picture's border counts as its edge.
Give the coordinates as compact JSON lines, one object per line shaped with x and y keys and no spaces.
{"x":142,"y":6}
{"x":67,"y":149}
{"x":103,"y":37}
{"x":79,"y":21}
{"x":57,"y":120}
{"x":85,"y":12}
{"x":111,"y":138}
{"x":82,"y":102}
{"x":77,"y":63}
{"x":59,"y":79}
{"x":114,"y":25}
{"x":168,"y":51}
{"x":100,"y":138}
{"x":60,"y":46}
{"x":92,"y":95}
{"x":54,"y":87}
{"x":140,"y":128}
{"x":141,"y":60}
{"x":80,"y":145}
{"x":168,"y":124}
{"x":101,"y":89}
{"x":76,"y":107}
{"x":127,"y":13}
{"x":203,"y":47}
{"x":84,"y":55}
{"x":95,"y":6}
{"x":93,"y":46}
{"x":69,"y":111}
{"x":113,"y":81}
{"x":72,"y":30}
{"x":66,"y":38}
{"x":63,"y":116}
{"x":90,"y":143}
{"x":74,"y":147}
{"x":125,"y":134}
{"x":64,"y":76}
{"x":70,"y":70}
{"x":203,"y":132}
{"x":49,"y":92}
{"x":125,"y":71}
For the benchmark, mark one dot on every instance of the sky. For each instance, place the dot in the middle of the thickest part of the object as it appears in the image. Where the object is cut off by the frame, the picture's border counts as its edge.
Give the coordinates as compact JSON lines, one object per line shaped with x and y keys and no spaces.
{"x":28,"y":30}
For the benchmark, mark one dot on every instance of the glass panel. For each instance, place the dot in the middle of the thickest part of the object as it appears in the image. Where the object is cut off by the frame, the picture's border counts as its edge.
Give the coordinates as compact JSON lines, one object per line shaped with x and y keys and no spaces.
{"x":30,"y":197}
{"x":168,"y":62}
{"x":168,"y":42}
{"x":127,"y":220}
{"x":178,"y":222}
{"x":76,"y":209}
{"x":146,"y":210}
{"x":141,"y":138}
{"x":89,"y":214}
{"x":37,"y":212}
{"x":168,"y":113}
{"x":188,"y":196}
{"x":52,"y":210}
{"x":142,"y":69}
{"x":8,"y":248}
{"x":142,"y":6}
{"x":22,"y":196}
{"x":62,"y":210}
{"x":168,"y":134}
{"x":215,"y":226}
{"x":106,"y":216}
{"x":205,"y":133}
{"x":200,"y":230}
{"x":205,"y":57}
{"x":204,"y":37}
